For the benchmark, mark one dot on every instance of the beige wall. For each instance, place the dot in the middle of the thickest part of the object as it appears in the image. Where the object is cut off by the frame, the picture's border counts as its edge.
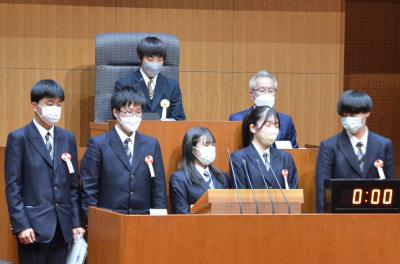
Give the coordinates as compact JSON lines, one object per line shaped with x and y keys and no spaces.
{"x":223,"y":43}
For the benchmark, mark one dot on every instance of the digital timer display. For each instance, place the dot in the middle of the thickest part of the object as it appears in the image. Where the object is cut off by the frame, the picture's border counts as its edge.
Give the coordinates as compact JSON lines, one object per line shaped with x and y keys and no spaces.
{"x":362,"y":196}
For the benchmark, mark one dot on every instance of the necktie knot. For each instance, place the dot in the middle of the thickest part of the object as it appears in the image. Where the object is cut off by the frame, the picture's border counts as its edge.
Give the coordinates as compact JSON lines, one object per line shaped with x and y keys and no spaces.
{"x":208,"y":179}
{"x":359,"y":145}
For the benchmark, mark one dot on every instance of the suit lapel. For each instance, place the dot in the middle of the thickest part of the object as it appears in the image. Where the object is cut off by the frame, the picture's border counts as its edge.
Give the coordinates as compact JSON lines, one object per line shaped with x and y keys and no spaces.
{"x":253,"y":157}
{"x":38,"y":143}
{"x":118,"y":147}
{"x":158,"y":92}
{"x":141,"y":84}
{"x":138,"y":151}
{"x":275,"y":160}
{"x":346,"y":148}
{"x":58,"y":143}
{"x":370,"y":153}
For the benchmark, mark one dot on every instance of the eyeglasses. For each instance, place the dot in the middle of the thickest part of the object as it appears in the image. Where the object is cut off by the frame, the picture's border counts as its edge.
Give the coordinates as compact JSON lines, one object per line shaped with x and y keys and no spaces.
{"x":265,"y":90}
{"x":129,"y":114}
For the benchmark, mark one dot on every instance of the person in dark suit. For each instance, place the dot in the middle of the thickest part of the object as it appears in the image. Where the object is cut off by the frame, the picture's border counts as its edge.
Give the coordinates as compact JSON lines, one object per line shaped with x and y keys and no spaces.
{"x":155,"y":86}
{"x":122,"y":170}
{"x":196,"y":174}
{"x":351,"y":153}
{"x":263,"y":88}
{"x":266,"y":166}
{"x":42,"y":192}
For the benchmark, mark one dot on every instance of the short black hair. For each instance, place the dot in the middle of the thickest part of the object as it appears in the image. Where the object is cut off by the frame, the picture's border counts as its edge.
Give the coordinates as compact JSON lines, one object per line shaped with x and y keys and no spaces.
{"x":127,"y":95}
{"x":354,"y":102}
{"x":257,"y":114}
{"x":151,"y":46}
{"x":46,"y":89}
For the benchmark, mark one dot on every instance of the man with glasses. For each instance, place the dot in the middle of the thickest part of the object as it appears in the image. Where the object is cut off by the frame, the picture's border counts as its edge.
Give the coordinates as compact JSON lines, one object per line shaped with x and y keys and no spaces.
{"x":122,"y":170}
{"x":263,"y":88}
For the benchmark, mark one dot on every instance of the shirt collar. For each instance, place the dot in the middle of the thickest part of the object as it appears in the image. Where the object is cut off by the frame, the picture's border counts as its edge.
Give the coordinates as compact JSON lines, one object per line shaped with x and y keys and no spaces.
{"x":147,"y":79}
{"x":43,"y":131}
{"x":354,"y":140}
{"x":201,"y":170}
{"x":124,"y":136}
{"x":260,"y":151}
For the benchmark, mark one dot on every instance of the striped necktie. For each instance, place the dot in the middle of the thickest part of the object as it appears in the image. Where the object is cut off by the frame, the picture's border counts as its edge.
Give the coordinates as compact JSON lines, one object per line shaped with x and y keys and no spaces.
{"x":265,"y":156}
{"x":150,"y":87}
{"x":208,"y":179}
{"x":360,"y":155}
{"x":128,"y":150}
{"x":49,"y":145}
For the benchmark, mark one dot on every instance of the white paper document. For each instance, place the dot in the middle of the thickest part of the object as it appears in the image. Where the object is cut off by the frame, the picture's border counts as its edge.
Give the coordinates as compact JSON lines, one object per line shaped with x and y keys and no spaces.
{"x":78,"y":251}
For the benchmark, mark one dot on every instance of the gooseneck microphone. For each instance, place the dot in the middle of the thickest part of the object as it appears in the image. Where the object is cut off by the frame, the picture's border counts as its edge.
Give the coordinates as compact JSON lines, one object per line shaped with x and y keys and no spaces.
{"x":251,"y":185}
{"x":234,"y":179}
{"x":280,"y":188}
{"x":266,"y":187}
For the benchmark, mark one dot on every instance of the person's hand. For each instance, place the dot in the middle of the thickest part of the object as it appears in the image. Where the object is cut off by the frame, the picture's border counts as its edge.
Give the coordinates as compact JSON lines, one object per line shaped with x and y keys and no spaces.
{"x":27,"y":236}
{"x":79,"y":231}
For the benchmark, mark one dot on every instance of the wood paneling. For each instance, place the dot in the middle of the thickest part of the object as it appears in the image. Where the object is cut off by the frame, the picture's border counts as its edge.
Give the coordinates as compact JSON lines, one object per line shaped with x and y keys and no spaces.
{"x":222,"y":44}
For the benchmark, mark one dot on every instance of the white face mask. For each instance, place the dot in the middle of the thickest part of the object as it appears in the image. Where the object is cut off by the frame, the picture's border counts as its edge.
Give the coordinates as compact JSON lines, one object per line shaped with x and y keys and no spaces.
{"x":267,"y":135}
{"x":49,"y":114}
{"x":151,"y":68}
{"x":265,"y":100}
{"x":207,"y":154}
{"x":353,"y":124}
{"x":130,"y":123}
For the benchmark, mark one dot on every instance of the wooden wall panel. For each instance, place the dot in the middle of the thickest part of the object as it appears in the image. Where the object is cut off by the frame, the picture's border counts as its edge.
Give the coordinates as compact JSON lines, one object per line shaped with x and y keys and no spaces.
{"x":222,"y":44}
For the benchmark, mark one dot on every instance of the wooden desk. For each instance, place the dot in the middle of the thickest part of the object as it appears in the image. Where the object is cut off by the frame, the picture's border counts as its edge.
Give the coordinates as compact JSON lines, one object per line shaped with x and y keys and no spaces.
{"x":311,"y":238}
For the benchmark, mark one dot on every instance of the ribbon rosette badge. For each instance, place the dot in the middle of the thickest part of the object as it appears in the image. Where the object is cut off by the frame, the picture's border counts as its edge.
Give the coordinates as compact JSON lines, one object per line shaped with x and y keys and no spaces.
{"x":67,"y":158}
{"x":149,"y":161}
{"x":285,"y":174}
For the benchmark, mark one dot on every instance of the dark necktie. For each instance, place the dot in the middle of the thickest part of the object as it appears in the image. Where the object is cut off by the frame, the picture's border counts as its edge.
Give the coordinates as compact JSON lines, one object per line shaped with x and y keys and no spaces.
{"x":49,"y":145}
{"x":127,"y":149}
{"x":360,"y":155}
{"x":208,"y":179}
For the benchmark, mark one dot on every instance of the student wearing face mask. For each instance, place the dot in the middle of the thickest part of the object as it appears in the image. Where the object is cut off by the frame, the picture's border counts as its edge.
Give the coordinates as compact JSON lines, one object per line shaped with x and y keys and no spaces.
{"x":259,"y":132}
{"x":42,"y":193}
{"x":155,"y":86}
{"x":263,"y":89}
{"x":351,"y":154}
{"x":117,"y":168}
{"x":196,"y":174}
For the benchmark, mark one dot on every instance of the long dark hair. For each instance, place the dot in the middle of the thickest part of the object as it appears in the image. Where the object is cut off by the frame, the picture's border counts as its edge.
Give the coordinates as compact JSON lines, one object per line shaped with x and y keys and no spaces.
{"x":190,"y":140}
{"x":259,"y":113}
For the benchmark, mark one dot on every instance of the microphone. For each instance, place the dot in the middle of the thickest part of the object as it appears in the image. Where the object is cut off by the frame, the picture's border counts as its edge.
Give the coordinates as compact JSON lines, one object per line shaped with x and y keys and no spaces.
{"x":266,"y":187}
{"x":234,"y":179}
{"x":280,"y":188}
{"x":251,"y":185}
{"x":379,"y":165}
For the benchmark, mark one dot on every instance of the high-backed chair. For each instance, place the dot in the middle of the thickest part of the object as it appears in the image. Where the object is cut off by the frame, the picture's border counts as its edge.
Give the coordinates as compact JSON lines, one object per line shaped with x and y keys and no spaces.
{"x":116,"y":57}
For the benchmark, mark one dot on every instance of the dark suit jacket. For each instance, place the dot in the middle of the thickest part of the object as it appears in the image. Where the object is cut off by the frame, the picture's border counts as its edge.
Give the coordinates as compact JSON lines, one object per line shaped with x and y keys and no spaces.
{"x":287,"y":131}
{"x":279,"y":160}
{"x":166,"y":88}
{"x":184,"y":193}
{"x":337,"y":160}
{"x":110,"y":181}
{"x":41,"y":192}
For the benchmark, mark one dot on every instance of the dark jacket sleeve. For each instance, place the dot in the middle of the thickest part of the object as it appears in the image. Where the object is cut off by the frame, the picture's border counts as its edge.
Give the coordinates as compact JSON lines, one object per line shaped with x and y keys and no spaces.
{"x":293,"y":176}
{"x":158,"y":187}
{"x":74,"y":186}
{"x":178,"y":195}
{"x":389,"y":167}
{"x":325,"y":166}
{"x":176,"y":107}
{"x":13,"y":177}
{"x":292,"y":134}
{"x":90,"y":172}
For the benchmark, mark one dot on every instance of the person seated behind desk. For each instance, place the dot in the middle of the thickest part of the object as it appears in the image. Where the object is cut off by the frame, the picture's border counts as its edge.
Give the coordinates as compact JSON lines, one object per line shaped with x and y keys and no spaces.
{"x":259,"y":131}
{"x":196,"y":174}
{"x":263,"y":88}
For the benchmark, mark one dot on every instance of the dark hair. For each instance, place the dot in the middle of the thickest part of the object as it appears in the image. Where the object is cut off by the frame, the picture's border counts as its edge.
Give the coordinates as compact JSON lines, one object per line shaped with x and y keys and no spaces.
{"x":191,"y":138}
{"x":127,"y":95}
{"x":151,"y":46}
{"x":259,"y":113}
{"x":46,"y":89}
{"x":354,"y":102}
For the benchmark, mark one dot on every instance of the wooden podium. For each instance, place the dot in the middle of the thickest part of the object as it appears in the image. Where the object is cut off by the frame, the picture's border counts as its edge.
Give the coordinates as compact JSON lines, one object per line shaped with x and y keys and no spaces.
{"x":305,"y":238}
{"x":225,"y":201}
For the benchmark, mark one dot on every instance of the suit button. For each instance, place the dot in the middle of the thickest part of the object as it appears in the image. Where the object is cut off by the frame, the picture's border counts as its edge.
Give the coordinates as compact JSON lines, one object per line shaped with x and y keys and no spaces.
{"x":132,"y":176}
{"x":56,"y":204}
{"x":130,"y":211}
{"x":55,"y":188}
{"x":131,"y":193}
